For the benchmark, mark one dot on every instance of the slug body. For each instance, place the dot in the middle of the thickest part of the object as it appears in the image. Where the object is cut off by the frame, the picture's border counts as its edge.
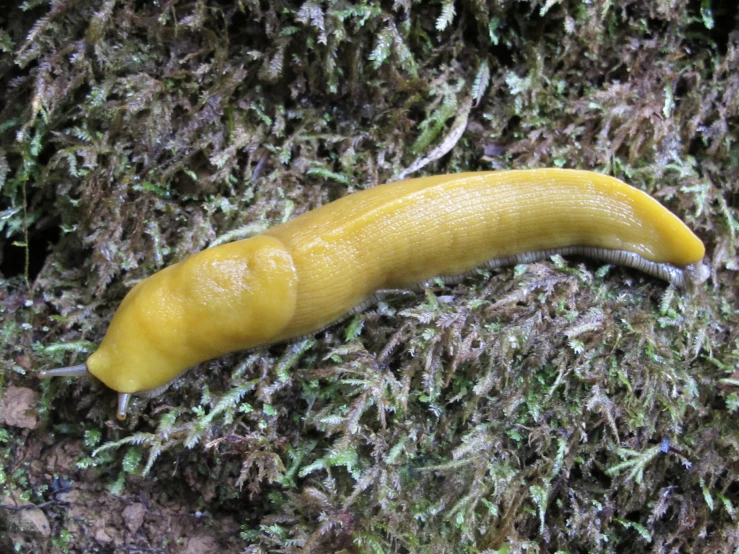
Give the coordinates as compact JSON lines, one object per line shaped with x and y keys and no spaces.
{"x":303,"y":275}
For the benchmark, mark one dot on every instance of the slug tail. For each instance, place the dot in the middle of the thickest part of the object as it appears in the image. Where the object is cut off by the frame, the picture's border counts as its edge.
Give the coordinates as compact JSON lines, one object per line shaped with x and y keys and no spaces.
{"x":71,"y":371}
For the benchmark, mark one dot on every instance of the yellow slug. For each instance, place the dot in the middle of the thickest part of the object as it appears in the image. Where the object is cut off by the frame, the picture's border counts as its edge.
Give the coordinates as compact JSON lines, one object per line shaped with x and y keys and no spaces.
{"x":301,"y":276}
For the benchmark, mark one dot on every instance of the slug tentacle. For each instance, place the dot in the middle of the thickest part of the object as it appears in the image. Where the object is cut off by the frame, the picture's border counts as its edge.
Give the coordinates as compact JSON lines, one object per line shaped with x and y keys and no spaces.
{"x":324,"y":265}
{"x":71,"y":371}
{"x":123,"y":399}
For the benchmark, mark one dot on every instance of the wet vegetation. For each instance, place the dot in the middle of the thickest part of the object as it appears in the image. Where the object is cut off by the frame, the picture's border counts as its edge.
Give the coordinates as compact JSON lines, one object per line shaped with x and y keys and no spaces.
{"x":557,"y":407}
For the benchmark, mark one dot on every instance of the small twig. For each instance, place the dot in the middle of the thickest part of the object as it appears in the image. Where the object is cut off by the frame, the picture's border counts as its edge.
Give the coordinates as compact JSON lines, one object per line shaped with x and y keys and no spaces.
{"x":38,"y":506}
{"x":32,"y":506}
{"x":260,"y":166}
{"x":449,"y":141}
{"x":27,"y":248}
{"x":25,"y":454}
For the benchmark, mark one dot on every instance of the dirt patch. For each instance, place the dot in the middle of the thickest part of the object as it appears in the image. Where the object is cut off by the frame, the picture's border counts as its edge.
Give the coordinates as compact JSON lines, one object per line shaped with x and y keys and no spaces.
{"x":141,"y":518}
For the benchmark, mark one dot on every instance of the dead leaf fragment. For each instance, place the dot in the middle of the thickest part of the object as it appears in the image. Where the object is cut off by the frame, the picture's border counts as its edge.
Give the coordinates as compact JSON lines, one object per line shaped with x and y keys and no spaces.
{"x":18,"y":407}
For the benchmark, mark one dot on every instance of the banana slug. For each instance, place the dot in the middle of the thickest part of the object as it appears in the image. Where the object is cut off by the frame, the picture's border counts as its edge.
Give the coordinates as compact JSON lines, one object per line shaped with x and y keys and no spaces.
{"x":303,"y":275}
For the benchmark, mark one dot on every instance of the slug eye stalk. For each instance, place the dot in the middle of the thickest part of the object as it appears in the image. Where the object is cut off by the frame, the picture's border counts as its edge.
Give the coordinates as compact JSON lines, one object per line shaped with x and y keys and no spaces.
{"x":70,"y":371}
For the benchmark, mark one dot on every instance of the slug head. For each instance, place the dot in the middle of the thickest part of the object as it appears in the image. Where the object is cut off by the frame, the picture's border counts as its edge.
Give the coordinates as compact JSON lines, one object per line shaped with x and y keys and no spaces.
{"x":224,"y":299}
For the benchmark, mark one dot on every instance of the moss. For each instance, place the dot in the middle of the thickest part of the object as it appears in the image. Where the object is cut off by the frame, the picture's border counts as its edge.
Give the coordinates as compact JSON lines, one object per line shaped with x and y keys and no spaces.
{"x":560,"y":406}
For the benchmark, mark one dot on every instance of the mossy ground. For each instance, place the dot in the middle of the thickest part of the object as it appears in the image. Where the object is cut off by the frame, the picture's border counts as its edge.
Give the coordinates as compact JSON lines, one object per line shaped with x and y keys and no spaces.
{"x":559,"y":407}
